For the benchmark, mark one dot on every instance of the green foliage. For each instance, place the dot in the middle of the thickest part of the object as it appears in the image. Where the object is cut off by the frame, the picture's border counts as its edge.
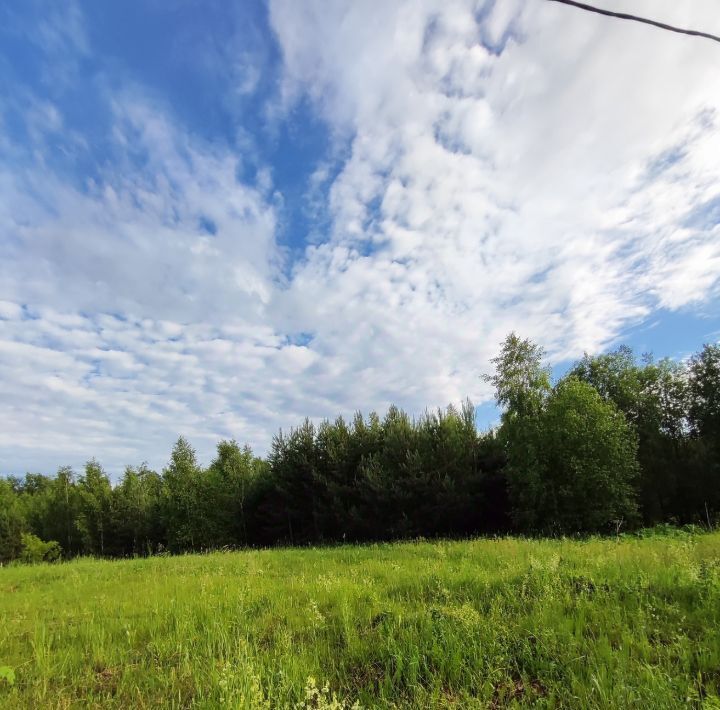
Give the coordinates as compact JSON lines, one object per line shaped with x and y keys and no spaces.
{"x":95,"y":495}
{"x":615,"y":443}
{"x":229,"y":486}
{"x":627,"y":622}
{"x":60,"y":512}
{"x":704,"y":382}
{"x":12,"y":523}
{"x":35,"y":550}
{"x":584,"y":468}
{"x":571,"y":455}
{"x":181,"y":487}
{"x":658,"y":400}
{"x":521,"y":381}
{"x":373,"y":478}
{"x":136,"y":513}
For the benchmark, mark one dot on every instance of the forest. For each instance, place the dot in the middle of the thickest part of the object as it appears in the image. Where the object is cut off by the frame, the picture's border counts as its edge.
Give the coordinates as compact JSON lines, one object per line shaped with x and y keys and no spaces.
{"x":616,"y":443}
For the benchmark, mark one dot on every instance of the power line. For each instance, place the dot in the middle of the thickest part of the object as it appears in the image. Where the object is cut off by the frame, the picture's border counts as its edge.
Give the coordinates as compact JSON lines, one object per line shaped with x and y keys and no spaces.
{"x":635,"y":18}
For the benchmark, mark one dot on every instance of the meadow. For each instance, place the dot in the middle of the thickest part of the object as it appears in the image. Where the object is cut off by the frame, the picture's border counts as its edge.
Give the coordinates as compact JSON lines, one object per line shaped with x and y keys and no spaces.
{"x":632,"y":622}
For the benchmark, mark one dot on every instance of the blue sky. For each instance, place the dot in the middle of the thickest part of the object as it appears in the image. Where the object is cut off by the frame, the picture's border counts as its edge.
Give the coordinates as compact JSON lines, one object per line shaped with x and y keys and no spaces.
{"x":219,"y":218}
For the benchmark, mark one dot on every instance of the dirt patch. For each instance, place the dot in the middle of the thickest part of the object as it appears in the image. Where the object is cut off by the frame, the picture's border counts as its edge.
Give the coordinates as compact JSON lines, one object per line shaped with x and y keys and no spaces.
{"x":517,"y":689}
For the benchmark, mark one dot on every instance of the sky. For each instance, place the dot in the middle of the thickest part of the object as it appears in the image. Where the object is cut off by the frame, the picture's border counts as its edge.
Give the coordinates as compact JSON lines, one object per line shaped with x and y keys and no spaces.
{"x":217,"y":219}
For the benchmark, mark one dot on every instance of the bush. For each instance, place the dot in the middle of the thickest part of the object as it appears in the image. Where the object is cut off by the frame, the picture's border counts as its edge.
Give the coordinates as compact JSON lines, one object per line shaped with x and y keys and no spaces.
{"x":36,"y":550}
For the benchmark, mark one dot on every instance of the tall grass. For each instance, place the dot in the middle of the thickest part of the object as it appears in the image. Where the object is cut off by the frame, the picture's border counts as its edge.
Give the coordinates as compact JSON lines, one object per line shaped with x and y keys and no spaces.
{"x":628,"y":623}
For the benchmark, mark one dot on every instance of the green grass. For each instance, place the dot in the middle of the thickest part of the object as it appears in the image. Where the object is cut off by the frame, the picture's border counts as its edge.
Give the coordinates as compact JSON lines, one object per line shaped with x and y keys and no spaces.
{"x":632,"y":623}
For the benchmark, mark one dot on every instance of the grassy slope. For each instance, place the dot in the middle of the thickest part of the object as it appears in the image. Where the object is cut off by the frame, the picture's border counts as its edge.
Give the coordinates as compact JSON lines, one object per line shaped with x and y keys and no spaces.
{"x":487,"y":623}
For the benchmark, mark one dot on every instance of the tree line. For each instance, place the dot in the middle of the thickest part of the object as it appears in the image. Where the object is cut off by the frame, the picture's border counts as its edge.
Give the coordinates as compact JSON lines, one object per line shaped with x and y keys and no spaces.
{"x":615,"y":443}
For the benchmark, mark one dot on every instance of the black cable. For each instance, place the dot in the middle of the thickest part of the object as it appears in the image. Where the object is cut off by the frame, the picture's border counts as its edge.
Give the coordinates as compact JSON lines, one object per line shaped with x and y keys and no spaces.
{"x":635,"y":18}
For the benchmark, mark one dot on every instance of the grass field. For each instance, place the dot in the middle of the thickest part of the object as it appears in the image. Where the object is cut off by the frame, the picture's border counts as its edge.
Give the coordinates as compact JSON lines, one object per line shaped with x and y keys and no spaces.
{"x":629,"y":623}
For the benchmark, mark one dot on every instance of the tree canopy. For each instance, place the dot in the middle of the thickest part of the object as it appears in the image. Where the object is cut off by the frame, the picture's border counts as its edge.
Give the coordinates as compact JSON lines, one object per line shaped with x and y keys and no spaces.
{"x":616,"y":441}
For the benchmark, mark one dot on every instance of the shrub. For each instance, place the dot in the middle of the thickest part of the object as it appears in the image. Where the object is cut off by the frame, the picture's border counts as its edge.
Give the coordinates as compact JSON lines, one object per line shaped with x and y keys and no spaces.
{"x":36,"y":550}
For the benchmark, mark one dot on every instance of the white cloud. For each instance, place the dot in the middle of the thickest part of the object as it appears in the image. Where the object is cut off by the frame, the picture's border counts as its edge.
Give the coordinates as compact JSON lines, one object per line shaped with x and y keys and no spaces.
{"x":145,"y":293}
{"x":137,"y":241}
{"x":500,"y":191}
{"x":125,"y":388}
{"x":510,"y":166}
{"x":9,"y":310}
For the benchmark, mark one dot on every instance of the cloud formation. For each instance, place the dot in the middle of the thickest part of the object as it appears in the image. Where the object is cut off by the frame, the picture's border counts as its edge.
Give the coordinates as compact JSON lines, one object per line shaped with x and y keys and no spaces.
{"x":492,"y":166}
{"x":512,"y":165}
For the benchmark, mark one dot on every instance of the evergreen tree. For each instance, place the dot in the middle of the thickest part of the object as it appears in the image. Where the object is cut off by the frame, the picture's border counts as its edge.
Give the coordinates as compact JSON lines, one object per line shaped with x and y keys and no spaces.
{"x":293,"y":513}
{"x":569,"y":458}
